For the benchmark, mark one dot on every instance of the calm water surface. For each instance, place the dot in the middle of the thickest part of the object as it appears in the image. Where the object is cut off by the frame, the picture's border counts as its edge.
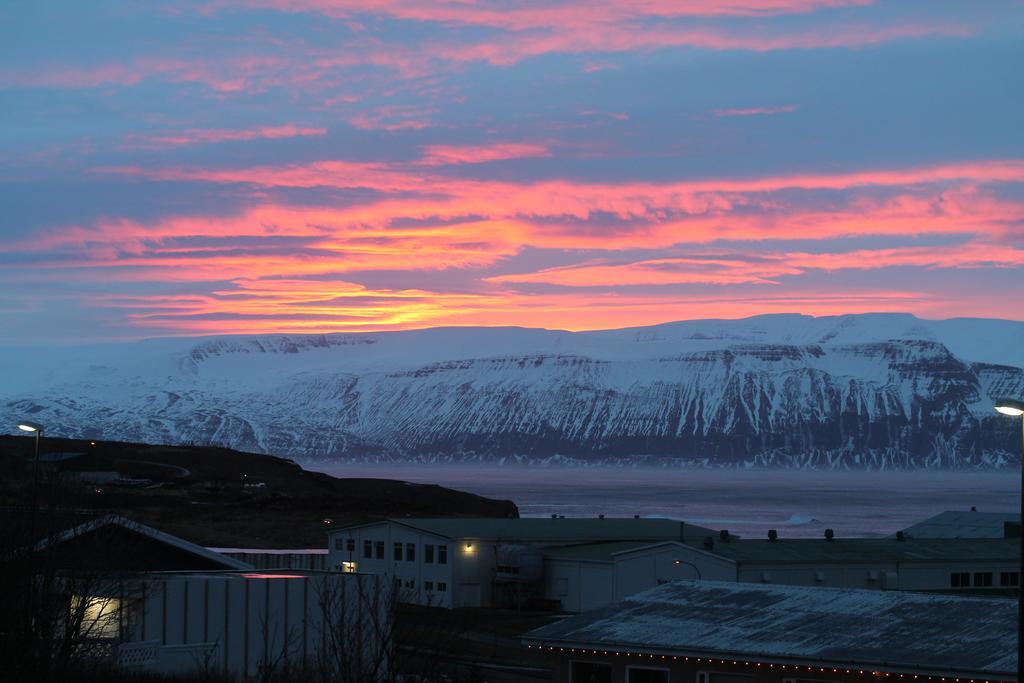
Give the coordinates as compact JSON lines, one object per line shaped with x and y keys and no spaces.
{"x":798,"y":504}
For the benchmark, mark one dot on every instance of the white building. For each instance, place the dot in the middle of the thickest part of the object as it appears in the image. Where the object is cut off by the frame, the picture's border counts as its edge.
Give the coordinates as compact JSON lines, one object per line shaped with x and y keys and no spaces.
{"x":245,"y":625}
{"x":474,"y":562}
{"x":139,"y":598}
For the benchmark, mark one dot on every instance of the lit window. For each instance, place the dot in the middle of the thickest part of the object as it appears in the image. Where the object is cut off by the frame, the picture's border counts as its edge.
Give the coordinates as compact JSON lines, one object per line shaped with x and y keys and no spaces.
{"x":442,"y":554}
{"x":100,"y":616}
{"x":428,"y":553}
{"x":349,"y":567}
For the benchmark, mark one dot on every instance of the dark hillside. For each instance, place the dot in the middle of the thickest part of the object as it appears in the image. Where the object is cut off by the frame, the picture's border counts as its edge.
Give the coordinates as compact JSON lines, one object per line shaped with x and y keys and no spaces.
{"x":218,"y":496}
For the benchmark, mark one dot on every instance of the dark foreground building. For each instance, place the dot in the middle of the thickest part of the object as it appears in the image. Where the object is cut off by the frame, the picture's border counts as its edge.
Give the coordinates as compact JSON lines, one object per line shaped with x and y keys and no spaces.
{"x":718,"y":632}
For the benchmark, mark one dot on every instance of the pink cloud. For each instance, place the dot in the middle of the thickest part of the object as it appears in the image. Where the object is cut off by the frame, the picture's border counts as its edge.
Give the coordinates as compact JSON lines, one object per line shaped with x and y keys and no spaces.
{"x":197,"y":136}
{"x":446,"y":155}
{"x":756,"y":111}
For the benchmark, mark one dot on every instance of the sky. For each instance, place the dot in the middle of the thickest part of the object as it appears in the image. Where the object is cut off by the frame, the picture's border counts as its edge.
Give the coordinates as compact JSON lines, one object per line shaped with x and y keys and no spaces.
{"x":250,"y":166}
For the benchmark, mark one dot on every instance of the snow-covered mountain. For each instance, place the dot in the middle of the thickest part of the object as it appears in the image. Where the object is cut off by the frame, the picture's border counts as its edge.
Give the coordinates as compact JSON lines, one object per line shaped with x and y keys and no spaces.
{"x":877,"y":390}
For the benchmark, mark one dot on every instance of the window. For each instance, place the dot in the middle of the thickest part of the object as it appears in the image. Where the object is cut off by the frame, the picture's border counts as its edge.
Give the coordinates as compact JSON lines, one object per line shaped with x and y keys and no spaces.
{"x":398,"y":552}
{"x":1009,"y":579}
{"x":428,"y":585}
{"x":645,"y":675}
{"x":410,"y":552}
{"x":716,"y":677}
{"x":339,"y":543}
{"x":379,"y":550}
{"x":442,"y":587}
{"x":561,"y":586}
{"x":442,"y":554}
{"x":960,"y":580}
{"x":366,"y":549}
{"x":428,"y":553}
{"x":983,"y":579}
{"x":350,"y":545}
{"x":349,"y":567}
{"x":411,"y":583}
{"x":590,"y":672}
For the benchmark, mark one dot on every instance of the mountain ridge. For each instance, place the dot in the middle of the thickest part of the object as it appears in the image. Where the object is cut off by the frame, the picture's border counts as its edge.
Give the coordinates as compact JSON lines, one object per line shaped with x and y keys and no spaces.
{"x":859,"y":391}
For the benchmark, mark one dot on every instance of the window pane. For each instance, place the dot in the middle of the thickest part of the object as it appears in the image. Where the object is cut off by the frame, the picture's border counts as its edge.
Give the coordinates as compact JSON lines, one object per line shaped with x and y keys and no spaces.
{"x":410,"y":552}
{"x":442,"y":554}
{"x":587,"y":672}
{"x":647,"y":676}
{"x":379,"y":548}
{"x":366,"y":549}
{"x":428,"y":553}
{"x":398,"y":552}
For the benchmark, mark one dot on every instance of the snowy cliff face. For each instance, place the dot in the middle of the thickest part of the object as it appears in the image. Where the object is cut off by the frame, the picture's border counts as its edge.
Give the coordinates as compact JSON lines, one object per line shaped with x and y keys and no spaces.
{"x":872,"y":391}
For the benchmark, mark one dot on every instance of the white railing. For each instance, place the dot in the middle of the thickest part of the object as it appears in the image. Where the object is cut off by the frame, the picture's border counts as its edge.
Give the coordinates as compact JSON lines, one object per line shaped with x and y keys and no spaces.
{"x":144,"y":654}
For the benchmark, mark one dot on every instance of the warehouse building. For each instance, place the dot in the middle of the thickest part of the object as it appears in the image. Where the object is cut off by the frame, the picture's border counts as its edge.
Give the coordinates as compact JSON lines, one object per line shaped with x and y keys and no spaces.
{"x":727,"y":632}
{"x":966,"y":524}
{"x":869,"y":563}
{"x":479,"y":562}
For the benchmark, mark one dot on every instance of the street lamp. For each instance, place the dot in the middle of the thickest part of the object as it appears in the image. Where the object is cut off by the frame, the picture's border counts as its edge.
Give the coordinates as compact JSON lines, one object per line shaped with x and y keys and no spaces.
{"x":37,"y":428}
{"x":1014,"y":408}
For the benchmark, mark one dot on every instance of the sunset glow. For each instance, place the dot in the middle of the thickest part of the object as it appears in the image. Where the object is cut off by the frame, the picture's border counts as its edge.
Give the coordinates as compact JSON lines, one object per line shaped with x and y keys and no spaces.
{"x":346,"y":165}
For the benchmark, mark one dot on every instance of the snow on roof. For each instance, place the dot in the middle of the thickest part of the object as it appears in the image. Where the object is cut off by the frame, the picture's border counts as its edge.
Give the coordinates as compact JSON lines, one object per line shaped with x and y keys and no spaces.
{"x":962,"y":524}
{"x":547,"y":530}
{"x":891,"y":630}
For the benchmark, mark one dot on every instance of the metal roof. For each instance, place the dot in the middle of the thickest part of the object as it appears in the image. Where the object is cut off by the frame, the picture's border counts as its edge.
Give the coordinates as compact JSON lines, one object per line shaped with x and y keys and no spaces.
{"x":862,"y":550}
{"x":591,"y":552}
{"x":963,"y":524}
{"x":892,"y":630}
{"x":564,"y":530}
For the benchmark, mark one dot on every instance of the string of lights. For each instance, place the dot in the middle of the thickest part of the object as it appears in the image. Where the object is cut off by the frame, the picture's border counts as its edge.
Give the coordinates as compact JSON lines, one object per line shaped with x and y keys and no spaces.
{"x":873,"y":673}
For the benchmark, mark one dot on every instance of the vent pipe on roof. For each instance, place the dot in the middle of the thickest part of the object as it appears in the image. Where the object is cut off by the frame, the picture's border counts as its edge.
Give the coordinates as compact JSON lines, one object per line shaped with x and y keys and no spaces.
{"x":709,"y":543}
{"x":900,"y":536}
{"x":773,"y":535}
{"x":723,"y":535}
{"x":600,"y":516}
{"x":829,"y":534}
{"x":636,"y":516}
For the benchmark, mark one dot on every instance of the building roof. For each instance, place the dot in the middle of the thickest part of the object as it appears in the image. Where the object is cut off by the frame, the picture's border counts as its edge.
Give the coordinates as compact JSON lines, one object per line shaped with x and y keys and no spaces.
{"x":555,"y":531}
{"x":884,"y":630}
{"x":963,"y":524}
{"x":862,"y":550}
{"x":84,"y":528}
{"x":591,"y":552}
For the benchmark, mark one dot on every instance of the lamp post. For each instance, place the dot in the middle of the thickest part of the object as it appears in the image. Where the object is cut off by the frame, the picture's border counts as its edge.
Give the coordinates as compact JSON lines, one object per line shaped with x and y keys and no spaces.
{"x":36,"y":428}
{"x":1014,"y":408}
